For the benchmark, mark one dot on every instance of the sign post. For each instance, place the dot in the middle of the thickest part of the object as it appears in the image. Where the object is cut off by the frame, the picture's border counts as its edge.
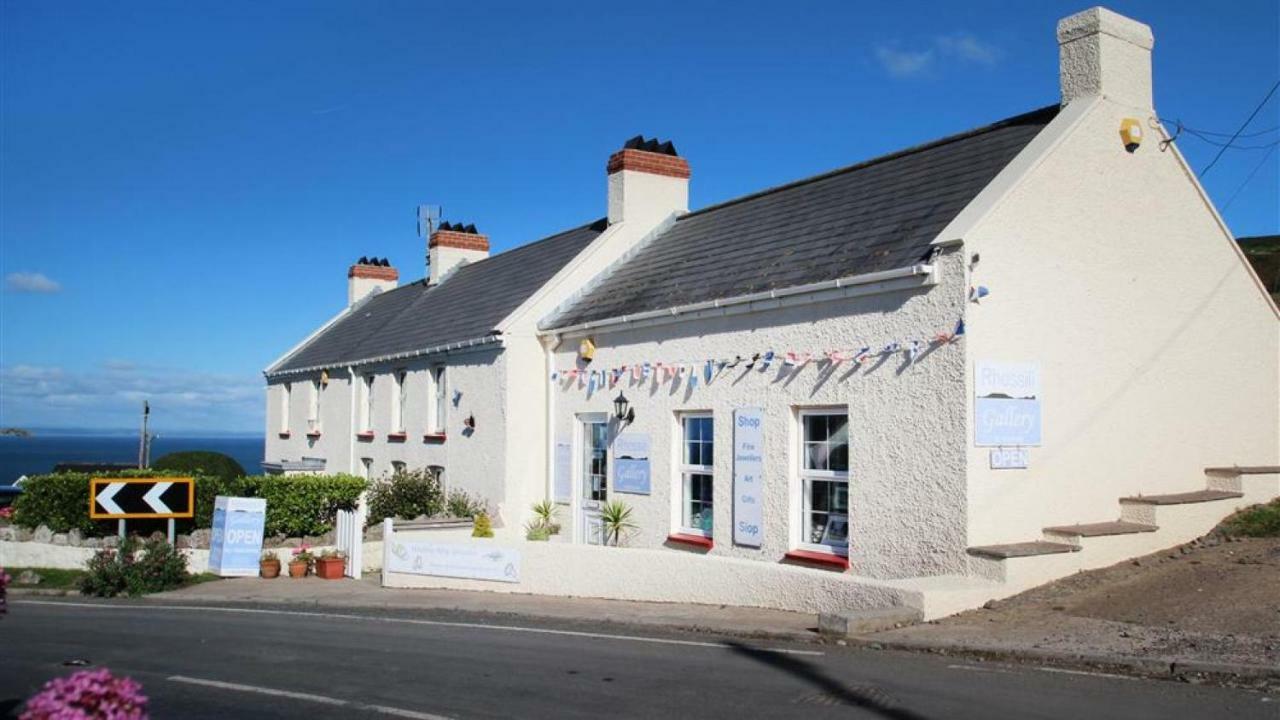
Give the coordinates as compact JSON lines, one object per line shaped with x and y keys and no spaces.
{"x":124,"y":499}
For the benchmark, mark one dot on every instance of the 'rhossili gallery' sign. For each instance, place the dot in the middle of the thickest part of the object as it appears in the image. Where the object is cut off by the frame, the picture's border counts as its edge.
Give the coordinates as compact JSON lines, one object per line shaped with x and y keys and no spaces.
{"x":748,"y":476}
{"x":1007,"y":406}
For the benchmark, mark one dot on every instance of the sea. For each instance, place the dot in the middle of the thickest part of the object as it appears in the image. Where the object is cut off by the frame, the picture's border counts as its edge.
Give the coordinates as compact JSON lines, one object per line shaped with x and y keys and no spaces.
{"x":39,"y":453}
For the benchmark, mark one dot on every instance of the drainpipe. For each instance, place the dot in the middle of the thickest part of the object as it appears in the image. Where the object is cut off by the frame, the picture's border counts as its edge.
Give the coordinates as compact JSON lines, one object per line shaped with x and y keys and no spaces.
{"x":351,"y":416}
{"x":549,"y":342}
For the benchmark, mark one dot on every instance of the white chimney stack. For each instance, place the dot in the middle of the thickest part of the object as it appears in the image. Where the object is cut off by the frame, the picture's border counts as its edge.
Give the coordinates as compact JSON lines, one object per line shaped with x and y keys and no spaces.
{"x":647,"y":182}
{"x":1105,"y":54}
{"x":368,"y":276}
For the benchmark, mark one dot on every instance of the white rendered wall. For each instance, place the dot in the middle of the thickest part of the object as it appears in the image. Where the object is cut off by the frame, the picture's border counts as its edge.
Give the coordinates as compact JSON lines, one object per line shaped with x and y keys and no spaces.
{"x":907,"y":487}
{"x":1159,"y":351}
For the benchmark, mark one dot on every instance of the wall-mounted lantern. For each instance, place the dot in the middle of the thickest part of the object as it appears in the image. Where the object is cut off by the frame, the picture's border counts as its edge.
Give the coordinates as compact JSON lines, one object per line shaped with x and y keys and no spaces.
{"x":622,"y":410}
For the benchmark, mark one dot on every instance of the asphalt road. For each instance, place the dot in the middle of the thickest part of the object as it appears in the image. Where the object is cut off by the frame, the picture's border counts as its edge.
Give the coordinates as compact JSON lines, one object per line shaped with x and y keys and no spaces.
{"x":208,"y":662}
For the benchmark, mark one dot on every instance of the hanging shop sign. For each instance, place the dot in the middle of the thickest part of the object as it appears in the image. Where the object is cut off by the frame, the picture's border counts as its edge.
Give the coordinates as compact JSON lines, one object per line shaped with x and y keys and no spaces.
{"x":1007,"y":406}
{"x":631,"y":463}
{"x":748,"y":477}
{"x":474,"y":561}
{"x":235,"y":542}
{"x":1010,"y":458}
{"x":562,"y":492}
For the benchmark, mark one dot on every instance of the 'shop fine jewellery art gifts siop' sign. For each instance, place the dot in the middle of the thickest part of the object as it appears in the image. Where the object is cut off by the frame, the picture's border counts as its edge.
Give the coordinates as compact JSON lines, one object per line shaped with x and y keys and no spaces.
{"x":748,"y":476}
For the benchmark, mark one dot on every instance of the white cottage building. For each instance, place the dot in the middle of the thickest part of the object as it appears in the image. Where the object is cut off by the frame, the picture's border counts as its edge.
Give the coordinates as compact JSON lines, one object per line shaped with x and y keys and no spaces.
{"x":928,"y":379}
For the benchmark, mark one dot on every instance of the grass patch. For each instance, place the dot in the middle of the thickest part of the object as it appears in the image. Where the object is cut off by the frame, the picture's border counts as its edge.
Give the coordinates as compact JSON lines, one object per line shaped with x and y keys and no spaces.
{"x":201,"y":579}
{"x":50,"y":578}
{"x":1257,"y":521}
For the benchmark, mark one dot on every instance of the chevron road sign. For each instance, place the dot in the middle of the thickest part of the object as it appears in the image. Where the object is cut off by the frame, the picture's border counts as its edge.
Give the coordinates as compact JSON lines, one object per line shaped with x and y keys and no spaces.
{"x":129,"y":498}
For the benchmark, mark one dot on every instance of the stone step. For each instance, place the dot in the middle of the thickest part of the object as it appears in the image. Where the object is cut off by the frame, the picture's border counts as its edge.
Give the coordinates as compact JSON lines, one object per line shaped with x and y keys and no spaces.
{"x":1244,"y":470}
{"x":1023,"y":549}
{"x":1199,"y":496}
{"x":861,"y":622}
{"x":1115,"y":527}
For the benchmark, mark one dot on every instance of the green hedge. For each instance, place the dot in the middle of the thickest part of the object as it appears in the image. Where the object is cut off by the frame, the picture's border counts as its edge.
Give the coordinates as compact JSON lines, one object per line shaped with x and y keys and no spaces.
{"x":297,"y":505}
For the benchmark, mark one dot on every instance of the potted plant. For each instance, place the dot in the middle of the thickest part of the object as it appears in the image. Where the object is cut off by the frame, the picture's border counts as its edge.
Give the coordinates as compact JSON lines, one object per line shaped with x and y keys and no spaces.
{"x":482,"y":527}
{"x":300,"y":565}
{"x":616,"y":517}
{"x":269,"y":565}
{"x":545,"y":512}
{"x":331,"y":564}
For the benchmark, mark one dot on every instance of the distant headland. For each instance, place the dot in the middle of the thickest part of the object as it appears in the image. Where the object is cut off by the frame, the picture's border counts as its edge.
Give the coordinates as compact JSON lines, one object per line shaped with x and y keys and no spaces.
{"x":14,"y":432}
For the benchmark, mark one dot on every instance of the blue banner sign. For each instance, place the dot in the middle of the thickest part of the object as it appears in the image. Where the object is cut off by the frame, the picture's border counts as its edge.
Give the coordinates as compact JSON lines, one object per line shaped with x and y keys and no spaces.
{"x":235,"y":543}
{"x":631,"y":464}
{"x":748,"y":477}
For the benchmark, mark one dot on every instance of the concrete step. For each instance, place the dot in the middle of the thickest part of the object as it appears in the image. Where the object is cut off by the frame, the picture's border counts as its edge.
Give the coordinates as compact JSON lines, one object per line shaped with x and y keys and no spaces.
{"x":1186,"y":498}
{"x":1115,"y":527}
{"x":1244,"y":470}
{"x":1022,"y":549}
{"x":862,"y":622}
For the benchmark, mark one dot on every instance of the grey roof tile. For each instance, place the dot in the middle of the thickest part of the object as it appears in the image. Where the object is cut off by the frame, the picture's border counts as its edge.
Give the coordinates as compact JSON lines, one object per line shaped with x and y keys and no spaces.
{"x":467,"y":305}
{"x":876,"y":215}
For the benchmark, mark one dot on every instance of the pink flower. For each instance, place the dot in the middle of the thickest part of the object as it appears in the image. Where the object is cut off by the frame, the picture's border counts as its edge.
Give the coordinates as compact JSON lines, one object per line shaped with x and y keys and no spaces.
{"x":88,"y":695}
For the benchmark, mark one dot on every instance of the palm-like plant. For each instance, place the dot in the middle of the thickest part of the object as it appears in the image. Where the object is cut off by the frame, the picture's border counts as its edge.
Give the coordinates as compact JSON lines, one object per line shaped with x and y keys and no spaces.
{"x":616,"y":517}
{"x":546,"y":512}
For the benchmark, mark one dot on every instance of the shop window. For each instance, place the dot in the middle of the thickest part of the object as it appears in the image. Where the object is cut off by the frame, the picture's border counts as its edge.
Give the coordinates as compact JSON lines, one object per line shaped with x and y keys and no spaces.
{"x":696,"y":473}
{"x":286,"y":391}
{"x":824,"y":474}
{"x":397,"y":401}
{"x":439,"y":401}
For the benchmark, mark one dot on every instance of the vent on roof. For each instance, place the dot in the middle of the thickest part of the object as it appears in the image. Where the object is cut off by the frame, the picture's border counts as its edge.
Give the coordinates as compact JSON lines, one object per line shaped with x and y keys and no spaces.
{"x":373,"y":261}
{"x":651,"y":145}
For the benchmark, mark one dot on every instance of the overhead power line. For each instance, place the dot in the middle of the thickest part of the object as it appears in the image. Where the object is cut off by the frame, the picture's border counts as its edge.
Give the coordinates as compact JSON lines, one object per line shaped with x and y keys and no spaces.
{"x":1236,"y":134}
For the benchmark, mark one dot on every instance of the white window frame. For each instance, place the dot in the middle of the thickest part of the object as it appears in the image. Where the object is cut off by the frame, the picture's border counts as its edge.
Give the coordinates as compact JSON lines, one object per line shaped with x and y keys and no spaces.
{"x":366,"y":402}
{"x":398,"y":466}
{"x":313,"y":409}
{"x":400,"y":376}
{"x":806,"y":476}
{"x":366,"y":468}
{"x":685,"y":470}
{"x":439,"y":387}
{"x":286,"y":392}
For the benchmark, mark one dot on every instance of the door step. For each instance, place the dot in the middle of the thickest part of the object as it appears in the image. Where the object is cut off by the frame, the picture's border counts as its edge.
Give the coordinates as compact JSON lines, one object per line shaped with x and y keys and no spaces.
{"x":1115,"y":527}
{"x":1022,"y":549}
{"x":1186,"y":498}
{"x":1243,"y":470}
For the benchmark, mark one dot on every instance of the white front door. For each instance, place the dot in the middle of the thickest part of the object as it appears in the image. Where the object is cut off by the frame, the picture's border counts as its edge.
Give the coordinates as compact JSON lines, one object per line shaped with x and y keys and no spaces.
{"x":593,"y":477}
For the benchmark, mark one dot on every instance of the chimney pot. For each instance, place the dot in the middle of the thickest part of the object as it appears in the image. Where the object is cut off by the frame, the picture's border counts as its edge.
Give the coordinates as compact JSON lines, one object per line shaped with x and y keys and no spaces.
{"x":369,"y":276}
{"x":453,"y":245}
{"x":648,"y":181}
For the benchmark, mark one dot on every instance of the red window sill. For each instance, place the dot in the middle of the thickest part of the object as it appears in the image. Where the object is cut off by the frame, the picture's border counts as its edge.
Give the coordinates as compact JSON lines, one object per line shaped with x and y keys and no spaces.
{"x":364,"y":436}
{"x":433,"y":437}
{"x":397,"y":437}
{"x":687,"y":539}
{"x":284,"y":436}
{"x":313,"y":435}
{"x":818,"y":558}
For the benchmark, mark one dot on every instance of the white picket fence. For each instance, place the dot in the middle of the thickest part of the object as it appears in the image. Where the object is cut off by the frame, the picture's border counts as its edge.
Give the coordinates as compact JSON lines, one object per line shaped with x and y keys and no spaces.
{"x":350,"y":539}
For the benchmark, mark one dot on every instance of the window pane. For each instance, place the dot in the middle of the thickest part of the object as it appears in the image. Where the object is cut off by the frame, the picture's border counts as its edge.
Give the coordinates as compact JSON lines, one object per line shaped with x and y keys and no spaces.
{"x":819,"y":495}
{"x":815,"y":456}
{"x":840,"y":497}
{"x":815,"y":428}
{"x":708,"y":451}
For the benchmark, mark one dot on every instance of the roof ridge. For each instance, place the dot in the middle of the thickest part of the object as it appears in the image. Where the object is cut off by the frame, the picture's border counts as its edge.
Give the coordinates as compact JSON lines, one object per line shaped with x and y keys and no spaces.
{"x":539,"y":241}
{"x":1020,"y":119}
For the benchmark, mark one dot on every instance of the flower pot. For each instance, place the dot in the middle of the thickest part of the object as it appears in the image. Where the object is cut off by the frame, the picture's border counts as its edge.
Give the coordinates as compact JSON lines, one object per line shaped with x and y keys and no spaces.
{"x":297,"y":568}
{"x":330,"y":568}
{"x":269,"y":568}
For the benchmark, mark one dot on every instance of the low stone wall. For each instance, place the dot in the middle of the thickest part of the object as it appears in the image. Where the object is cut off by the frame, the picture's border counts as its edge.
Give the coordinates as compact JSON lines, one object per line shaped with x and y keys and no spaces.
{"x":662,"y":575}
{"x":31,"y":554}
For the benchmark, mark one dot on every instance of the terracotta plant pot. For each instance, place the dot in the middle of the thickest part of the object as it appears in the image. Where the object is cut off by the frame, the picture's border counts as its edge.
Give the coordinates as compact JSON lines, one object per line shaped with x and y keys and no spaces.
{"x":298,"y":568}
{"x":330,"y":568}
{"x":269,"y":568}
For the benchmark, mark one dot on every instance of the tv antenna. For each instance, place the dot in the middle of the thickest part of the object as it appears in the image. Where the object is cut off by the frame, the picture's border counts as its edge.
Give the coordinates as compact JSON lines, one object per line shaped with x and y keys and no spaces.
{"x":428,"y":220}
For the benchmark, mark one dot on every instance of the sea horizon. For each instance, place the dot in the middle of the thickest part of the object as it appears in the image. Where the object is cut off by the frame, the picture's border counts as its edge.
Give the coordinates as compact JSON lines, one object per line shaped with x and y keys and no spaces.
{"x":39,"y":453}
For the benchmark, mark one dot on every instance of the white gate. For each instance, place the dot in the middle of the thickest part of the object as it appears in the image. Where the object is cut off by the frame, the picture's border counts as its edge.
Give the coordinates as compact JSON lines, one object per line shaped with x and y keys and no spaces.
{"x":350,"y":539}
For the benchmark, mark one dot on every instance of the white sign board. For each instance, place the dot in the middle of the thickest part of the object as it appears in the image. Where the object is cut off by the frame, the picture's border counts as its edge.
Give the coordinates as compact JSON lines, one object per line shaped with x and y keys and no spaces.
{"x":475,"y":561}
{"x":235,"y":539}
{"x":563,"y":490}
{"x":1007,"y":406}
{"x":631,"y":463}
{"x":748,"y":476}
{"x":1009,"y":458}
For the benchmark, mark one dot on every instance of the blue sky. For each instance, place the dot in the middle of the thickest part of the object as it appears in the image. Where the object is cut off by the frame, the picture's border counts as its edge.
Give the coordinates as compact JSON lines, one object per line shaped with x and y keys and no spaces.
{"x":183,"y":185}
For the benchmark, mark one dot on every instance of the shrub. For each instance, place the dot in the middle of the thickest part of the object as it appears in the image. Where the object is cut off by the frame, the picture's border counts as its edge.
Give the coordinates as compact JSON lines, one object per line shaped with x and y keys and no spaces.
{"x":616,"y":517}
{"x":88,"y":694}
{"x":462,"y":505}
{"x":200,"y":462}
{"x":296,"y":505}
{"x":158,"y":567}
{"x":1256,"y":521}
{"x":545,"y":516}
{"x":483,"y":528}
{"x":537,"y":531}
{"x":406,"y":494}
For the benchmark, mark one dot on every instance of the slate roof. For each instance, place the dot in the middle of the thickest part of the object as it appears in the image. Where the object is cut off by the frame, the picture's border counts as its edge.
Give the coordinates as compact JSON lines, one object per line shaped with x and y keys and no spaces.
{"x":467,"y":305}
{"x":877,"y":215}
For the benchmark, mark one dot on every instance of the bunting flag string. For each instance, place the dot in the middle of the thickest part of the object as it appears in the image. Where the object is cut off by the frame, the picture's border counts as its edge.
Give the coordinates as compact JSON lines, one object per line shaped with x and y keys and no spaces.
{"x":790,"y":361}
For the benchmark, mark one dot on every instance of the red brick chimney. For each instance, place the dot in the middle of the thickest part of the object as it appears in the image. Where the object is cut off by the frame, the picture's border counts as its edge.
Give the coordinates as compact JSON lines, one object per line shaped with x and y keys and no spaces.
{"x":370,"y":275}
{"x":454,"y":245}
{"x":648,"y":181}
